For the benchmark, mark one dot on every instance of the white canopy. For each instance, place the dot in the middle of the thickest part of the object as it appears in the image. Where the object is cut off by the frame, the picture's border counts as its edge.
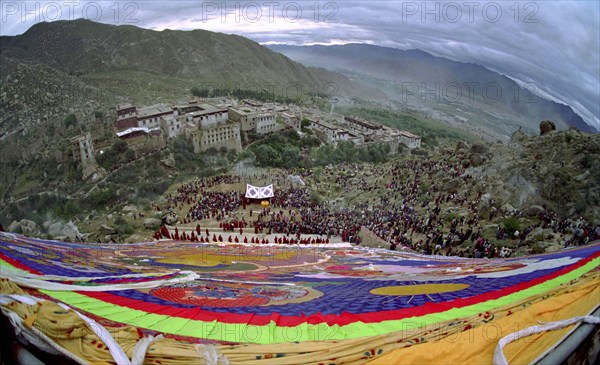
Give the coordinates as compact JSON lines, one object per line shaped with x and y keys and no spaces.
{"x":257,"y":192}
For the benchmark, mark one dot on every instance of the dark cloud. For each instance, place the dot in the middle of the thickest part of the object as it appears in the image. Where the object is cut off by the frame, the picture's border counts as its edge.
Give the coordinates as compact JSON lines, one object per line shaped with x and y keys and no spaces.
{"x":553,"y":45}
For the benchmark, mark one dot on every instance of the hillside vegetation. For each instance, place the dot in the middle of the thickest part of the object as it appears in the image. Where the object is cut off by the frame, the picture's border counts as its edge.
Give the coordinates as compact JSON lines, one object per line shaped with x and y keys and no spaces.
{"x":94,"y":64}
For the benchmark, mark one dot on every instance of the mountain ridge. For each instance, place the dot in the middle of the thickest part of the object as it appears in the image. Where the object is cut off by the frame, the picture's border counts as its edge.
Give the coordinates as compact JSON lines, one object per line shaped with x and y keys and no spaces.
{"x":85,"y":47}
{"x":125,"y":63}
{"x":418,"y":66}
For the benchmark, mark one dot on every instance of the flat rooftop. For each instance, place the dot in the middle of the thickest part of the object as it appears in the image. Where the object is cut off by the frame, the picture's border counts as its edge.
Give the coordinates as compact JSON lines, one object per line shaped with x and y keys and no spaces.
{"x":153,"y":110}
{"x":408,"y":134}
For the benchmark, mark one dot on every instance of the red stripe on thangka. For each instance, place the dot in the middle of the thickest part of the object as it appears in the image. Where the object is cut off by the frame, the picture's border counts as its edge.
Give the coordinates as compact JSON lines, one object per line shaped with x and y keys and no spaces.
{"x":19,"y":264}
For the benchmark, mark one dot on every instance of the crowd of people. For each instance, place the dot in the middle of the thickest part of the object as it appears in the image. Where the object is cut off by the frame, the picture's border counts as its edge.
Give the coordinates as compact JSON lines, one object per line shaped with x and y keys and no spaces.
{"x":416,"y":204}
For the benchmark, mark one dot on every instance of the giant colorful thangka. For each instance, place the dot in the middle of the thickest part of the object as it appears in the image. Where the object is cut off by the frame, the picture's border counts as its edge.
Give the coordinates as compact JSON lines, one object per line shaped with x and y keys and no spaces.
{"x":276,"y":304}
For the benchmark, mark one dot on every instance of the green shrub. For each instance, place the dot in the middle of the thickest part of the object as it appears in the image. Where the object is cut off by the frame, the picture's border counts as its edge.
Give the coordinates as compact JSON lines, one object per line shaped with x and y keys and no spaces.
{"x":123,"y":227}
{"x":451,"y":216}
{"x":537,"y":249}
{"x":100,"y":198}
{"x":511,"y":225}
{"x":70,"y":120}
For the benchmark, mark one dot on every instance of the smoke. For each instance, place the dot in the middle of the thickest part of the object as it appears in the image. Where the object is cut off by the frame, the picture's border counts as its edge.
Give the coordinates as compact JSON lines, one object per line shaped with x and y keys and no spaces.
{"x":246,"y":168}
{"x":527,"y":190}
{"x":296,"y":179}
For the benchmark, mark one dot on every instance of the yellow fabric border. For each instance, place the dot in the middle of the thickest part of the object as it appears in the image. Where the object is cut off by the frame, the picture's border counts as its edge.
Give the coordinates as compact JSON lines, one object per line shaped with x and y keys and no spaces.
{"x":476,"y":345}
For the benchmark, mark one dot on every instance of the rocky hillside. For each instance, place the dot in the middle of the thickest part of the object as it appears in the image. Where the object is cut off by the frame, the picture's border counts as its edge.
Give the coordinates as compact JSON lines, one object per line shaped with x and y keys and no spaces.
{"x":35,"y":93}
{"x":559,"y":170}
{"x":84,"y":47}
{"x":81,"y":65}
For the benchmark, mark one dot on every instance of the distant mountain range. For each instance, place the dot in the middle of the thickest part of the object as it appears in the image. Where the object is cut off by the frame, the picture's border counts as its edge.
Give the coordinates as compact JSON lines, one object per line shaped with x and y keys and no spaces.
{"x":57,"y":68}
{"x":402,"y":72}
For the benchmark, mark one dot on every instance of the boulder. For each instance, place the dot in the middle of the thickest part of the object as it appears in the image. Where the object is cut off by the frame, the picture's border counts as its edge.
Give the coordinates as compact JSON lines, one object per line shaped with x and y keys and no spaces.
{"x":169,"y":161}
{"x":169,"y":218}
{"x":484,"y":207}
{"x":15,"y":227}
{"x":534,"y":211}
{"x":452,"y":185}
{"x":537,"y":232}
{"x":151,"y":223}
{"x":546,"y":126}
{"x":507,"y":208}
{"x":534,"y":236}
{"x":130,"y":208}
{"x":476,"y":160}
{"x":486,"y":197}
{"x":93,"y":172}
{"x":455,"y":240}
{"x":71,"y":231}
{"x":55,"y":229}
{"x":107,"y":230}
{"x":29,"y":228}
{"x":478,"y":147}
{"x":461,"y":146}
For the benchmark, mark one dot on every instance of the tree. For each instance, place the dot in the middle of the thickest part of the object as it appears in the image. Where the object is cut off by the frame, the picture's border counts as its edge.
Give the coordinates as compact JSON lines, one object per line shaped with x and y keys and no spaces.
{"x":324,"y":155}
{"x":119,"y":147}
{"x":266,"y":155}
{"x":377,"y":153}
{"x":247,"y":156}
{"x":231,"y":155}
{"x":211,"y":151}
{"x":310,"y":142}
{"x":290,"y":156}
{"x":129,"y":155}
{"x":346,"y":152}
{"x":200,"y":92}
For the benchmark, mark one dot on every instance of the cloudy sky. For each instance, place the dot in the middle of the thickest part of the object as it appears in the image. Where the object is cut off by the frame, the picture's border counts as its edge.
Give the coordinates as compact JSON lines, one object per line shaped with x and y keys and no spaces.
{"x":553,"y":46}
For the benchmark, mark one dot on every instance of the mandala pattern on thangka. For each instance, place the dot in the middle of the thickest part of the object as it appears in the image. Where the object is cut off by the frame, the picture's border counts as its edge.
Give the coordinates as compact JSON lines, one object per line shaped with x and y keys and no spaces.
{"x":330,"y":293}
